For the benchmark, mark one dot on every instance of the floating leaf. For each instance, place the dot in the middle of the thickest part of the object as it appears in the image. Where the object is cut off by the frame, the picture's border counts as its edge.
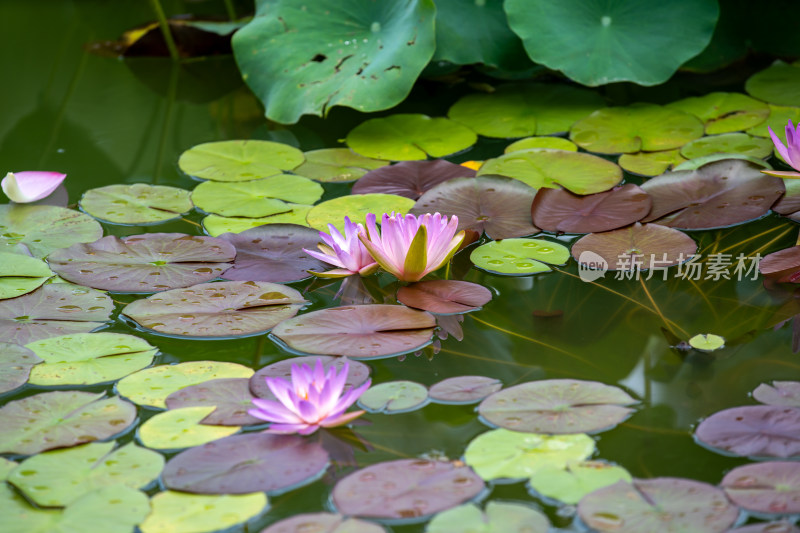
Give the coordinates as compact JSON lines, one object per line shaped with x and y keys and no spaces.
{"x":257,"y":198}
{"x":557,"y":406}
{"x":216,"y":225}
{"x":407,"y":489}
{"x":239,"y":160}
{"x":136,"y":204}
{"x":357,"y":372}
{"x":728,"y":143}
{"x":89,"y":358}
{"x":778,"y":84}
{"x":181,"y":428}
{"x":256,"y":462}
{"x":15,"y":365}
{"x":356,"y":206}
{"x":394,"y":397}
{"x":230,"y":396}
{"x":61,"y":418}
{"x":553,"y":143}
{"x":444,"y":296}
{"x":767,"y":527}
{"x":6,"y":466}
{"x":225,"y":309}
{"x":44,"y":228}
{"x":499,"y":517}
{"x":779,"y":393}
{"x":778,"y":117}
{"x":464,"y":389}
{"x":409,"y":137}
{"x":707,"y":342}
{"x":698,"y":162}
{"x":337,"y":165}
{"x":504,"y":454}
{"x":782,"y":266}
{"x":650,"y":163}
{"x":724,"y":112}
{"x":324,"y":523}
{"x":520,"y":257}
{"x":767,"y":488}
{"x":570,"y":484}
{"x":20,"y":274}
{"x":178,"y":512}
{"x":410,"y":178}
{"x":753,"y":431}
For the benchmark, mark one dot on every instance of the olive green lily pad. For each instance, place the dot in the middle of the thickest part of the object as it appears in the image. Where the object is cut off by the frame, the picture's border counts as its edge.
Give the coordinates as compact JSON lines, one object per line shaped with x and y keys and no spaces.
{"x":357,"y":207}
{"x":694,"y":164}
{"x":504,"y":454}
{"x":150,"y":387}
{"x":581,"y":173}
{"x":6,"y":466}
{"x":20,"y":274}
{"x":724,"y":112}
{"x":394,"y":397}
{"x":181,"y":428}
{"x":15,"y":365}
{"x":216,"y":225}
{"x":44,"y":228}
{"x":778,"y":84}
{"x":520,"y":257}
{"x":570,"y":484}
{"x":409,"y":137}
{"x":179,"y":512}
{"x":499,"y":517}
{"x":239,"y":160}
{"x":337,"y":165}
{"x":635,"y":128}
{"x":257,"y":198}
{"x":779,"y":116}
{"x":650,"y":163}
{"x":324,"y":523}
{"x":136,"y":204}
{"x":707,"y":342}
{"x":524,"y":110}
{"x":89,"y":358}
{"x":59,"y":477}
{"x":728,"y":143}
{"x":552,"y":143}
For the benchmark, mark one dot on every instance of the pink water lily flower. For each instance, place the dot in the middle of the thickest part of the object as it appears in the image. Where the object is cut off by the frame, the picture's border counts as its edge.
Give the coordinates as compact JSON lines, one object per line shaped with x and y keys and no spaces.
{"x":411,"y":247}
{"x":790,"y":153}
{"x":30,"y":186}
{"x":313,"y":399}
{"x":344,"y":251}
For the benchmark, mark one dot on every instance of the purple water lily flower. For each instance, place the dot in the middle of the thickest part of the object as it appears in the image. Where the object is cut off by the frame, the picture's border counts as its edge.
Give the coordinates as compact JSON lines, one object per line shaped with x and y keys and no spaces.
{"x":790,"y":152}
{"x":344,"y":251}
{"x":30,"y":186}
{"x":313,"y":399}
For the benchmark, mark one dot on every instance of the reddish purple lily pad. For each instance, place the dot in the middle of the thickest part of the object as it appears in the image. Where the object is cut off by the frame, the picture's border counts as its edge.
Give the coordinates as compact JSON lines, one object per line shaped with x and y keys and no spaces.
{"x":715,"y":195}
{"x":498,"y":206}
{"x":143,"y":263}
{"x":241,"y":464}
{"x":464,"y":389}
{"x":779,"y":393}
{"x":273,"y":252}
{"x":663,"y":505}
{"x":15,"y":365}
{"x":323,"y":523}
{"x":783,"y":266}
{"x":767,"y":527}
{"x":231,"y":396}
{"x":557,"y":406}
{"x":406,"y":489}
{"x":560,"y":211}
{"x":357,"y":373}
{"x":360,"y":331}
{"x":753,"y":431}
{"x":444,"y":296}
{"x":410,"y":178}
{"x":53,"y":310}
{"x":769,"y":488}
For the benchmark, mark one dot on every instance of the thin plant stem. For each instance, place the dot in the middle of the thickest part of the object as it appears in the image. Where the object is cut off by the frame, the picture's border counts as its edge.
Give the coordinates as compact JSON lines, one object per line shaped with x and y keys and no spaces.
{"x":230,"y":9}
{"x":162,"y":22}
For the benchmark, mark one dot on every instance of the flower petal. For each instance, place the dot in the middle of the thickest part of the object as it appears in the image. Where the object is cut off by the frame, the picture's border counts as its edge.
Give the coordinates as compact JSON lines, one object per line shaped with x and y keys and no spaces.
{"x":30,"y":186}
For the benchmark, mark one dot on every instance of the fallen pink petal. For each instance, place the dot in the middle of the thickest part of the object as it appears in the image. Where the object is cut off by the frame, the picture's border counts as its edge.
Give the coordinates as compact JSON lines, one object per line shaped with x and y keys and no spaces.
{"x":30,"y":186}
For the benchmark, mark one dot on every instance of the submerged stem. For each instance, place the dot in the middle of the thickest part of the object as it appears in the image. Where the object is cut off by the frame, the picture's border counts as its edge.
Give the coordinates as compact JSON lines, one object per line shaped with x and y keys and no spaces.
{"x":164,"y":25}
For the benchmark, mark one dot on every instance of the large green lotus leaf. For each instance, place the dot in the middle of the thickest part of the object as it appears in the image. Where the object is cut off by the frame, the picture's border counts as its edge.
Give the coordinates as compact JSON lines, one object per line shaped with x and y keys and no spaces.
{"x":239,"y":160}
{"x":61,"y":418}
{"x":231,"y":398}
{"x":524,"y":110}
{"x":666,"y":505}
{"x":52,"y":310}
{"x":753,"y":431}
{"x":724,"y":112}
{"x":504,"y":454}
{"x":779,"y":84}
{"x":59,"y":477}
{"x":254,"y":462}
{"x":779,"y":116}
{"x":357,"y":372}
{"x":579,"y":172}
{"x":136,"y":204}
{"x":181,"y":428}
{"x":179,"y":512}
{"x":570,"y":484}
{"x":634,"y":128}
{"x":410,"y":178}
{"x":769,"y":488}
{"x":257,"y":198}
{"x":342,"y":52}
{"x":499,"y":517}
{"x":779,"y":393}
{"x":394,"y":397}
{"x":337,"y":165}
{"x":20,"y":274}
{"x":44,"y":228}
{"x":552,"y":143}
{"x":356,"y":206}
{"x":89,"y":358}
{"x":152,"y":386}
{"x":216,"y":225}
{"x":224,"y":309}
{"x":650,"y":163}
{"x":444,"y":296}
{"x":360,"y":332}
{"x":728,"y":143}
{"x":409,"y":137}
{"x":150,"y":262}
{"x":595,"y":42}
{"x":520,"y":257}
{"x":463,"y":389}
{"x":323,"y":523}
{"x":15,"y":365}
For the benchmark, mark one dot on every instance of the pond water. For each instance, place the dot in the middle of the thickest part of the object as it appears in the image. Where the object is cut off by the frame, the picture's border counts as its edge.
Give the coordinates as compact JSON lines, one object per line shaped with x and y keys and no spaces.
{"x":105,"y":121}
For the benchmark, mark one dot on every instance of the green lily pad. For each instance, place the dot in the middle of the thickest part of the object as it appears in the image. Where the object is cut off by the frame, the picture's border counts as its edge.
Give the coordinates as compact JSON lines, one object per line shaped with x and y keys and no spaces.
{"x":181,"y":428}
{"x":394,"y":397}
{"x":136,"y":204}
{"x":20,"y":274}
{"x":504,"y":454}
{"x":44,"y":228}
{"x":592,"y":41}
{"x":570,"y":484}
{"x":15,"y":365}
{"x":578,"y":172}
{"x":694,"y":164}
{"x":150,"y":387}
{"x":6,"y":466}
{"x":524,"y":110}
{"x":239,"y":160}
{"x":257,"y":198}
{"x":179,"y":512}
{"x":61,"y":418}
{"x":216,"y":225}
{"x":499,"y":517}
{"x":728,"y":143}
{"x":59,"y":477}
{"x":635,"y":128}
{"x":356,"y":206}
{"x":552,"y":143}
{"x":779,"y":116}
{"x":324,"y":523}
{"x":337,"y":165}
{"x":650,"y":163}
{"x":724,"y":112}
{"x":409,"y":137}
{"x":707,"y":342}
{"x":778,"y":84}
{"x":520,"y":257}
{"x":89,"y":358}
{"x":342,"y":52}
